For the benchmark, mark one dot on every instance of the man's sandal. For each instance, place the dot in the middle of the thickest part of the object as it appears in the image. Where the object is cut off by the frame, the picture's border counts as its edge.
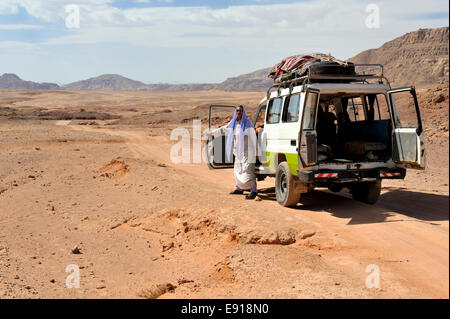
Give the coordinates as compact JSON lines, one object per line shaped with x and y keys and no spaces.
{"x":252,"y":195}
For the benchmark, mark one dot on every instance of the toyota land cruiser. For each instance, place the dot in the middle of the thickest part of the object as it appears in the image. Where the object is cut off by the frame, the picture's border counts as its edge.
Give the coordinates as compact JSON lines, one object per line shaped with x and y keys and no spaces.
{"x":333,"y":131}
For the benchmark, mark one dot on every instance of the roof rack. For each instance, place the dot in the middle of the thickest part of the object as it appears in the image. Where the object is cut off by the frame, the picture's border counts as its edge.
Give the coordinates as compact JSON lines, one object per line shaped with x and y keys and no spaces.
{"x":362,"y":76}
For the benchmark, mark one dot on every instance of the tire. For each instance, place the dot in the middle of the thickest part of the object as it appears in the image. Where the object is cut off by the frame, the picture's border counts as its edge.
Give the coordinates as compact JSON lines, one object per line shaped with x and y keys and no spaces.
{"x":332,"y":68}
{"x":335,"y":188}
{"x":285,"y":186}
{"x":366,"y":192}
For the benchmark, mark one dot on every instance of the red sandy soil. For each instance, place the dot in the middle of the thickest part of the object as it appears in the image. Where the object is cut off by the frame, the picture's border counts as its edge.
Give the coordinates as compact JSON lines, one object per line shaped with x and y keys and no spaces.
{"x":148,"y":228}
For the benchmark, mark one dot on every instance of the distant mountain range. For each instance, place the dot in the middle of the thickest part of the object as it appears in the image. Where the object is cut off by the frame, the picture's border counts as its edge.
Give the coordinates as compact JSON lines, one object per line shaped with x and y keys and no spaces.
{"x":416,"y":58}
{"x":253,"y":81}
{"x":113,"y":82}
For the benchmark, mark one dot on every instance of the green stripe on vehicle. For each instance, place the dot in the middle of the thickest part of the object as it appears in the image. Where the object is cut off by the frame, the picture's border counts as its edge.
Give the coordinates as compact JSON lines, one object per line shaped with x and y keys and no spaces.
{"x":291,"y":159}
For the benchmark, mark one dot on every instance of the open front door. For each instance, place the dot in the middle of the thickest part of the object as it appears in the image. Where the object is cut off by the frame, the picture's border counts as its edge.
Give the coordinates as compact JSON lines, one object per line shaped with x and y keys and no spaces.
{"x":407,"y":140}
{"x":259,"y":122}
{"x":308,"y":135}
{"x":219,"y":115}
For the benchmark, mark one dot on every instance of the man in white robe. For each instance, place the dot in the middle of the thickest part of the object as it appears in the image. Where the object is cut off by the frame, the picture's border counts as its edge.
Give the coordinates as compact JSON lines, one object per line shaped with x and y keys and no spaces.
{"x":242,"y":141}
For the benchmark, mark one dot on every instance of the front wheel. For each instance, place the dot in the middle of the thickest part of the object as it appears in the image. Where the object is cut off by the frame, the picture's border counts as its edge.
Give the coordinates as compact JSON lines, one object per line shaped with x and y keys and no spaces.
{"x":285,"y":186}
{"x":366,"y":192}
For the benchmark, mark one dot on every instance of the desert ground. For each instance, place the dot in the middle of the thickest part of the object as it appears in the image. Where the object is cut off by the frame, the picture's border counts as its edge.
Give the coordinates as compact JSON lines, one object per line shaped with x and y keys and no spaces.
{"x":86,"y":179}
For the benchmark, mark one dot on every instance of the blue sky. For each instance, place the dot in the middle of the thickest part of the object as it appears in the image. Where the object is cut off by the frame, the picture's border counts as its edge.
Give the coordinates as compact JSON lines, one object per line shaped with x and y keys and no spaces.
{"x":180,"y":41}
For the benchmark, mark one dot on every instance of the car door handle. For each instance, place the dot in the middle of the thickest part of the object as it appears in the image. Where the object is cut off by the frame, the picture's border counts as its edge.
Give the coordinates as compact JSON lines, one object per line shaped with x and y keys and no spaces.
{"x":293,"y":143}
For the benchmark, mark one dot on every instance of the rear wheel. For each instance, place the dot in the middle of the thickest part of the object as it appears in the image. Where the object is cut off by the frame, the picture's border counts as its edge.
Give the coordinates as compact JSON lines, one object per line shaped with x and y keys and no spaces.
{"x":366,"y":192}
{"x":285,"y":186}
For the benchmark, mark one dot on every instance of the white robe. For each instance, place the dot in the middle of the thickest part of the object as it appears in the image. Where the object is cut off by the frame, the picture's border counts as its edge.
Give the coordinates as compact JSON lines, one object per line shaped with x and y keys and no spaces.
{"x":244,"y":167}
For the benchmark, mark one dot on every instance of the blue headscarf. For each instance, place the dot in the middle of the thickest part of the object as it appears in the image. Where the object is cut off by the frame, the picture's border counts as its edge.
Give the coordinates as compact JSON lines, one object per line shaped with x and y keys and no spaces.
{"x":245,"y":124}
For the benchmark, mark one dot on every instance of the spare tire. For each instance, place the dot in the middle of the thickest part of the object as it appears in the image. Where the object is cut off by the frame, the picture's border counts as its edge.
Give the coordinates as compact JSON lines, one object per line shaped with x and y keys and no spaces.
{"x":332,"y":68}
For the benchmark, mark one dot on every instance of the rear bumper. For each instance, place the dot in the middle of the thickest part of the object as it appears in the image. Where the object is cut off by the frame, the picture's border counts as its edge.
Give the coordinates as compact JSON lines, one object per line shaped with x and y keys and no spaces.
{"x":350,"y":176}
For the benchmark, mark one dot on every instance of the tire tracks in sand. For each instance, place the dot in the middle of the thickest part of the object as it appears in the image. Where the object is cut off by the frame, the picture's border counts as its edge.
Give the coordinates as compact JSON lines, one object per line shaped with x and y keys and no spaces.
{"x":409,"y":249}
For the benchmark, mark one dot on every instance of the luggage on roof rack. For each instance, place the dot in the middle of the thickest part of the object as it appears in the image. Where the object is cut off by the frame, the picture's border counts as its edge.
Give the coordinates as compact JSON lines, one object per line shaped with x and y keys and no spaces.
{"x":364,"y":73}
{"x":326,"y":67}
{"x":315,"y":64}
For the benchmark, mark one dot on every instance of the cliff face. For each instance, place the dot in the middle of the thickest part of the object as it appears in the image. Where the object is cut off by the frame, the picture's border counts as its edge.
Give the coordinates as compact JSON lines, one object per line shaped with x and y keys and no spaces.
{"x":416,"y":58}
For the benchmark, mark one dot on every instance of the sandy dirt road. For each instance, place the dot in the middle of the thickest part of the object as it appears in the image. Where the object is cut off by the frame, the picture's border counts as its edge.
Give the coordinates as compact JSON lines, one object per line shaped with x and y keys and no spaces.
{"x":146,"y":227}
{"x":405,"y":235}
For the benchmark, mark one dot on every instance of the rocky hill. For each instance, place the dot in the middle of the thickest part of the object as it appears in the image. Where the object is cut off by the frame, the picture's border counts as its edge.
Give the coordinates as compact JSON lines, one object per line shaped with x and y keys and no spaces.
{"x":418,"y":58}
{"x":181,"y":87}
{"x":253,"y":81}
{"x":112,"y":82}
{"x":115,"y":82}
{"x":257,"y":80}
{"x":12,"y":81}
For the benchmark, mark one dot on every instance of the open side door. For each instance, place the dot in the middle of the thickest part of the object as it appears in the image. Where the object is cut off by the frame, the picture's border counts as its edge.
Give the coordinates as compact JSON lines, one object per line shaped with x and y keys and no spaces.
{"x":260,"y":113}
{"x":259,"y":120}
{"x":215,"y":146}
{"x":408,"y":148}
{"x":308,"y":134}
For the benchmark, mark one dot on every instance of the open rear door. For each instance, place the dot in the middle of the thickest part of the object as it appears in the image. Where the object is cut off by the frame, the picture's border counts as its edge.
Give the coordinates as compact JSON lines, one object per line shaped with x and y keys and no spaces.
{"x":219,"y":115}
{"x":408,"y":140}
{"x":308,"y":135}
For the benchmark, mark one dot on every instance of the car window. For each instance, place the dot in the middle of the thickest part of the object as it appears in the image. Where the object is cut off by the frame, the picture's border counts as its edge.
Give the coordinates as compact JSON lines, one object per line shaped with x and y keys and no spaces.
{"x":377,"y":107}
{"x":292,"y":109}
{"x":355,"y":109}
{"x":405,"y":110}
{"x":383,"y":108}
{"x":261,"y":115}
{"x":310,"y":111}
{"x":274,"y":111}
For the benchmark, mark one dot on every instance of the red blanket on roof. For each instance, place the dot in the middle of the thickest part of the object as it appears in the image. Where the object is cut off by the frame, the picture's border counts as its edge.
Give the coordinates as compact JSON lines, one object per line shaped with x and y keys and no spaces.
{"x":298,"y":63}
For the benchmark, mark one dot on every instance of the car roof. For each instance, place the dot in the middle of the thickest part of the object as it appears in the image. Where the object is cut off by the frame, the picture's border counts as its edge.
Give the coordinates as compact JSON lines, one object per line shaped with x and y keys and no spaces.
{"x":332,"y":88}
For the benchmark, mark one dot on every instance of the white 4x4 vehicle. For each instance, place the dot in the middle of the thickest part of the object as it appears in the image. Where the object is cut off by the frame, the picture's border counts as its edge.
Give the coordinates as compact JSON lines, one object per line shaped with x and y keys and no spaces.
{"x":330,"y":131}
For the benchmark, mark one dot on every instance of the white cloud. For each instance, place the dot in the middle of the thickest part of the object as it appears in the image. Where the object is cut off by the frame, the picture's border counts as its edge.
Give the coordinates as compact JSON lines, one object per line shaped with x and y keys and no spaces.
{"x":295,"y":26}
{"x":53,"y":10}
{"x":250,"y":26}
{"x":8,"y":7}
{"x":17,"y":45}
{"x":20,"y":27}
